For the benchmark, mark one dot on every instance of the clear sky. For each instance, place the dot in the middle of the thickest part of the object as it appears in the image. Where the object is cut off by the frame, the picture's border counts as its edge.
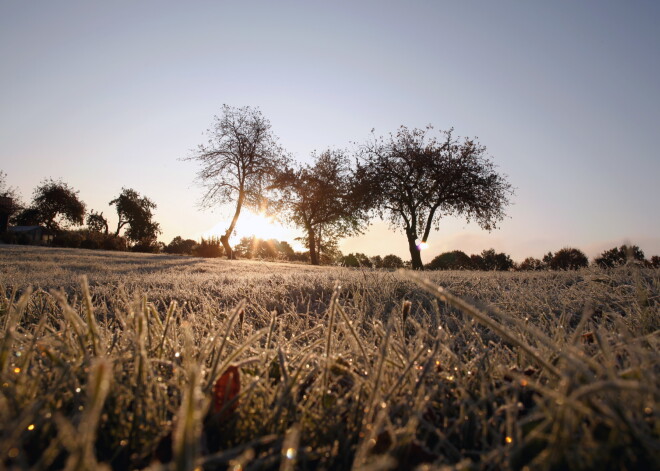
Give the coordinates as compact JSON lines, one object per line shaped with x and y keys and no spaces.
{"x":565,"y":95}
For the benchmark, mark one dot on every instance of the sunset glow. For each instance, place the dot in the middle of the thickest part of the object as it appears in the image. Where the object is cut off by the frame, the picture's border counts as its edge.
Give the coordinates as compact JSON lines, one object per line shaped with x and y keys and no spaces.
{"x":259,"y":225}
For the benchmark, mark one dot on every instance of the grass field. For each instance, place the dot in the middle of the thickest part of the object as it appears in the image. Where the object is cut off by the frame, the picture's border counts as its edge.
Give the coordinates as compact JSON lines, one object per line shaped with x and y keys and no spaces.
{"x":338,"y":368}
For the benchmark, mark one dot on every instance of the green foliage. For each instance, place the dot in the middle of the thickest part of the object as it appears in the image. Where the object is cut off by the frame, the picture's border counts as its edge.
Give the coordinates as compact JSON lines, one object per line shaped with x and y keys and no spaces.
{"x":619,"y":255}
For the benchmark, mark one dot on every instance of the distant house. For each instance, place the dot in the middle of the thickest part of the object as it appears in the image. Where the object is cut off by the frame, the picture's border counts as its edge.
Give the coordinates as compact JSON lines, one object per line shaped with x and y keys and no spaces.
{"x":36,"y":234}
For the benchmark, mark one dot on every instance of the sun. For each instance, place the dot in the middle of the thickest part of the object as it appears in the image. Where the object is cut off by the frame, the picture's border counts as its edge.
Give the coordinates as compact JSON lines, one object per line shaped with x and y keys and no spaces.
{"x":258,"y":225}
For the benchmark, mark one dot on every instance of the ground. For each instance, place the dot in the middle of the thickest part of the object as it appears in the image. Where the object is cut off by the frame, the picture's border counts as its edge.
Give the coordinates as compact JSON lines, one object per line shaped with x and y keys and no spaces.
{"x":112,"y":358}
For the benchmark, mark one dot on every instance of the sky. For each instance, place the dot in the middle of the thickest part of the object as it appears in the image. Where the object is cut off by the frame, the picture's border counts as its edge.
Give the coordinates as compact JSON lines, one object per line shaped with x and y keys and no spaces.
{"x":565,"y":96}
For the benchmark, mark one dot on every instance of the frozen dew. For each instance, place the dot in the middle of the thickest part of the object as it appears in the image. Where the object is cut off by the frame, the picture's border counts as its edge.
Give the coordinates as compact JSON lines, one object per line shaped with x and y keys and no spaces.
{"x":508,"y":439}
{"x":30,"y":427}
{"x":291,"y":453}
{"x":78,"y":390}
{"x":17,"y":370}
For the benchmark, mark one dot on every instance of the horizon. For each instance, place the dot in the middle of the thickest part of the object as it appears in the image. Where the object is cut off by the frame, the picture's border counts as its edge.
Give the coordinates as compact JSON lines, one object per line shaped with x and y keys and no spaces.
{"x":564,"y":96}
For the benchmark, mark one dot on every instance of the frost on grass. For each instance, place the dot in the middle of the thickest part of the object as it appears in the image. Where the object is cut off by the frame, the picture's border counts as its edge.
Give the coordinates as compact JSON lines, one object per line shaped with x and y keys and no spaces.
{"x":322,"y":368}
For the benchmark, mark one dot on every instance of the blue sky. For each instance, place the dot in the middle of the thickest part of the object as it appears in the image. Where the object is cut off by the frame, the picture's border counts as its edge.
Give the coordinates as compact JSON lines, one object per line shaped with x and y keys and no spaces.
{"x":564,"y":95}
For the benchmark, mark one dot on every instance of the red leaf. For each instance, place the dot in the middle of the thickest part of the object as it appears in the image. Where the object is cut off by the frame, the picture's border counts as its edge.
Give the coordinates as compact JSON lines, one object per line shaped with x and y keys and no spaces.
{"x":226,"y":388}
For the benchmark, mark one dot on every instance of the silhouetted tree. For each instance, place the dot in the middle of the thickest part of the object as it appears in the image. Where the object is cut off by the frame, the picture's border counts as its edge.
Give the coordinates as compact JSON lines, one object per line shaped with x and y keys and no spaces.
{"x":655,"y":261}
{"x":323,"y":199}
{"x":418,"y":178}
{"x":531,"y":264}
{"x":54,"y":202}
{"x":455,"y":260}
{"x":208,"y":248}
{"x":135,"y":212}
{"x":238,"y":161}
{"x":11,"y":203}
{"x":477,"y":262}
{"x":496,"y":261}
{"x":28,"y":217}
{"x":180,"y":246}
{"x":619,"y":255}
{"x":356,"y":260}
{"x":96,"y":222}
{"x":568,"y":258}
{"x":392,"y":261}
{"x":376,"y":261}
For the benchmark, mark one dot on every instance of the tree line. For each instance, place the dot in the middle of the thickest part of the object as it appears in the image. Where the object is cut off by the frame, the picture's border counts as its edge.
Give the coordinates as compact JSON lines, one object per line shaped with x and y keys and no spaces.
{"x":411,"y":178}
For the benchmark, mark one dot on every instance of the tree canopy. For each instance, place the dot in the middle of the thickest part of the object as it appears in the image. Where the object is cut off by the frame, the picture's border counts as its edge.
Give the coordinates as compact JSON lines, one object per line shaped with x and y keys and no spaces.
{"x":417,"y":178}
{"x":135,"y":212}
{"x":54,"y":204}
{"x":237,"y":162}
{"x":323,"y":200}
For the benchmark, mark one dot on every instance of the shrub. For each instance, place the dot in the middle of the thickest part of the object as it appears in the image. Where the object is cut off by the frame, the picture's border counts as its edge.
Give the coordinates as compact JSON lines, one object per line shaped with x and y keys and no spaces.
{"x":619,"y":256}
{"x":392,"y":261}
{"x":531,"y":264}
{"x":70,"y":239}
{"x":181,"y":246}
{"x":569,"y":258}
{"x":496,"y":261}
{"x":455,"y":260}
{"x":209,"y":248}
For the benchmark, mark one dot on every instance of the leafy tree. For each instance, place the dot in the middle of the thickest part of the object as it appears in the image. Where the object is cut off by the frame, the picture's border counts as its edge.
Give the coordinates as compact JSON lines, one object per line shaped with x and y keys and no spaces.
{"x":455,"y":260}
{"x":181,"y":246}
{"x":135,"y":212}
{"x":417,"y":178}
{"x":531,"y":264}
{"x":569,"y":258}
{"x":655,"y":261}
{"x":376,"y":261}
{"x":496,"y":261}
{"x":392,"y":261}
{"x":477,"y":262}
{"x":10,"y":199}
{"x":53,"y":203}
{"x":28,"y":217}
{"x":619,"y":255}
{"x":208,"y":248}
{"x":356,"y":260}
{"x":322,"y":199}
{"x":97,"y":223}
{"x":238,"y":161}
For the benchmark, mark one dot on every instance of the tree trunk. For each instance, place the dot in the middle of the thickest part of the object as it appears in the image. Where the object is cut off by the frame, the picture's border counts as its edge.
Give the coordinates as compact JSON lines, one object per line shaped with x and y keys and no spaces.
{"x":224,"y":239}
{"x":313,"y":254}
{"x":415,"y":255}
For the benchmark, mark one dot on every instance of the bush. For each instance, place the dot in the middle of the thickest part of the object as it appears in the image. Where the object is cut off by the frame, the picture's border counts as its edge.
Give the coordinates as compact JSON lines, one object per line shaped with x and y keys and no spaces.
{"x":496,"y":261}
{"x":531,"y":264}
{"x":569,"y":258}
{"x":619,"y":256}
{"x":455,"y":260}
{"x":69,"y":239}
{"x":392,"y":261}
{"x":209,"y":248}
{"x":181,"y":246}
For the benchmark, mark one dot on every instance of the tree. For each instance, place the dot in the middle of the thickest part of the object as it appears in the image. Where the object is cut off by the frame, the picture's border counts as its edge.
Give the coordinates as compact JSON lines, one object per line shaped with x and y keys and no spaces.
{"x":569,"y":258}
{"x":496,"y":261}
{"x":135,"y":212}
{"x":10,"y":200}
{"x":619,"y":256}
{"x":392,"y":261}
{"x":181,"y":246}
{"x":55,"y":202}
{"x":531,"y":264}
{"x":455,"y":260}
{"x":417,"y":179}
{"x":238,"y":161}
{"x":324,"y":200}
{"x":655,"y":261}
{"x":97,"y":223}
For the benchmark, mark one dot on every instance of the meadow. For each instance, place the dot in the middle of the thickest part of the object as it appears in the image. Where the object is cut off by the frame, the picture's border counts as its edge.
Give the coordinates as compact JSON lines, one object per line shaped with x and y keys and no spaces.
{"x":114,"y":360}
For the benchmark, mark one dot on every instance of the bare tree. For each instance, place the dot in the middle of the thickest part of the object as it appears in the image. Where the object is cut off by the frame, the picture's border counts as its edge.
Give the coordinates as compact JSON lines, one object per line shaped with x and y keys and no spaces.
{"x":237,"y":162}
{"x":418,"y":178}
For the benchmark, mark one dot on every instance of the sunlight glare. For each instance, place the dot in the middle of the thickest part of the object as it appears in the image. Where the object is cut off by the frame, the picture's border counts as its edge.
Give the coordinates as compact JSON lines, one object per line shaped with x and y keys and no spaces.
{"x":259,"y":225}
